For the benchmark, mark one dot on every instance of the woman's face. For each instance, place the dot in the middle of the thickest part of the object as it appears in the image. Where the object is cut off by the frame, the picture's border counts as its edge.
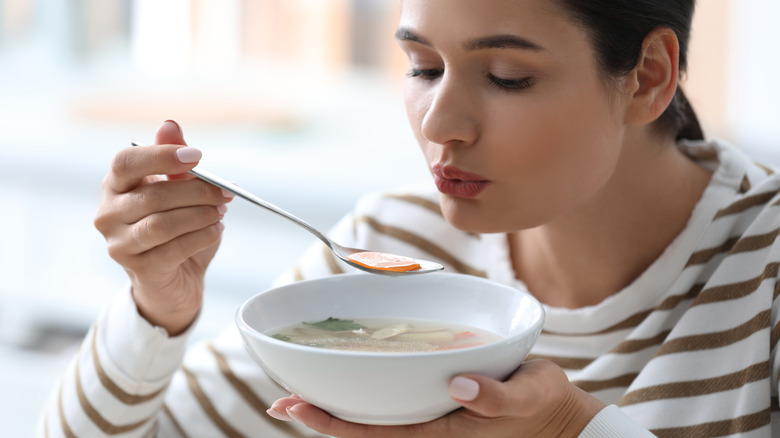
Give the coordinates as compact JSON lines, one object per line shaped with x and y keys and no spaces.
{"x":506,"y":101}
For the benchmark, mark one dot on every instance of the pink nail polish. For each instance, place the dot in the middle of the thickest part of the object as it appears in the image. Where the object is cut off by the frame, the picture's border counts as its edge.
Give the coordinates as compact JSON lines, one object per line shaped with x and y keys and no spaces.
{"x":278,"y":415}
{"x":188,"y":155}
{"x":222,"y":209}
{"x":462,"y":388}
{"x":292,"y":416}
{"x":174,"y":123}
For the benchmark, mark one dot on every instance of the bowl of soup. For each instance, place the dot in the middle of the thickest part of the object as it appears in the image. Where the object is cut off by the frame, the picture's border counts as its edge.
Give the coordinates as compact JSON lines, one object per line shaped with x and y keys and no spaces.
{"x":381,"y":350}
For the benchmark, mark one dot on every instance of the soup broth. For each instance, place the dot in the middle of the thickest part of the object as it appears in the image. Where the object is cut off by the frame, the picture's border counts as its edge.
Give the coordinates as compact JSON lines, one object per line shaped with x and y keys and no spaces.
{"x":389,"y":335}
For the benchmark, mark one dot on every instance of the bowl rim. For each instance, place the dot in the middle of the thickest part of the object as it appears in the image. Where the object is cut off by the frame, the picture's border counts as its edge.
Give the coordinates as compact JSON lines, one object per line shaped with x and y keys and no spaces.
{"x":246,"y":329}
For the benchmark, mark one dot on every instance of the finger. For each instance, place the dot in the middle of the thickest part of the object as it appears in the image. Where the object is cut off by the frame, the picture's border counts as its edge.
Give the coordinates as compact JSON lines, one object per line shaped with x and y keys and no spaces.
{"x":118,"y":211}
{"x":177,"y":251}
{"x":322,"y":422}
{"x":160,"y":228}
{"x":279,"y":408}
{"x":521,"y":395}
{"x":169,"y":133}
{"x":169,"y":255}
{"x":131,"y":165}
{"x":165,"y":196}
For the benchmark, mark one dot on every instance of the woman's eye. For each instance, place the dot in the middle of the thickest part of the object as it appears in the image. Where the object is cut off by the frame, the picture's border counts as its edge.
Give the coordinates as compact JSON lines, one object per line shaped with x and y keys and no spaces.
{"x":426,"y":73}
{"x":510,"y":84}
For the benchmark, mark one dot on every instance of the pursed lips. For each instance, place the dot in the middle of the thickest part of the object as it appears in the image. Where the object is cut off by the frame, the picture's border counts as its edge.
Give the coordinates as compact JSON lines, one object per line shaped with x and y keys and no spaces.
{"x":454,"y":181}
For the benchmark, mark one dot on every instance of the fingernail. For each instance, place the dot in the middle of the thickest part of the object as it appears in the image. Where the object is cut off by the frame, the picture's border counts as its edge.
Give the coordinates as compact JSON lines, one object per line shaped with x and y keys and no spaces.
{"x":220,"y":226}
{"x":278,"y":415}
{"x":227,"y":194}
{"x":222,"y":208}
{"x":292,"y":416}
{"x":462,"y":388}
{"x":188,"y":155}
{"x":174,"y":123}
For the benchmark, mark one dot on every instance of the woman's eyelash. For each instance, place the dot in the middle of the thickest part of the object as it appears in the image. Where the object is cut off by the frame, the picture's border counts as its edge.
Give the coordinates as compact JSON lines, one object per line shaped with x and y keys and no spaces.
{"x":505,"y":84}
{"x":510,"y":84}
{"x":427,"y":73}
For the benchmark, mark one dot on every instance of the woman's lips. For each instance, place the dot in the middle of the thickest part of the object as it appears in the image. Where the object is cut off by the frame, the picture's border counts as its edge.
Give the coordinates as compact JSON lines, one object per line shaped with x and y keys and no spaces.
{"x":457,"y":182}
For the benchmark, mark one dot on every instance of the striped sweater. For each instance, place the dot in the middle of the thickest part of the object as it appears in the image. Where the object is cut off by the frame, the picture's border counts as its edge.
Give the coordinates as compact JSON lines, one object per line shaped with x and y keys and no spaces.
{"x":686,"y":350}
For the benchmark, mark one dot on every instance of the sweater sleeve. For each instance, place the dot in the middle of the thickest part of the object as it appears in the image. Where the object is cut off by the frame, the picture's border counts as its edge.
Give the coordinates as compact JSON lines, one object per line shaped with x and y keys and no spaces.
{"x":131,"y":379}
{"x":611,"y":422}
{"x":116,"y":382}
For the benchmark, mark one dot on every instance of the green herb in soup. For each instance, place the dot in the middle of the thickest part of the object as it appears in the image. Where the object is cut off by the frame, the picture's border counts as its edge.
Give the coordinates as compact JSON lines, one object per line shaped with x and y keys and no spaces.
{"x":336,"y":324}
{"x":384,"y":335}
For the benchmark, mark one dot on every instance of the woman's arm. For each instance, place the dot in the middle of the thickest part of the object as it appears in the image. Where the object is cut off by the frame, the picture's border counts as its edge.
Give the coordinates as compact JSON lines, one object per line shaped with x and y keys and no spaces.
{"x":134,"y":374}
{"x":117,"y":381}
{"x":129,"y":378}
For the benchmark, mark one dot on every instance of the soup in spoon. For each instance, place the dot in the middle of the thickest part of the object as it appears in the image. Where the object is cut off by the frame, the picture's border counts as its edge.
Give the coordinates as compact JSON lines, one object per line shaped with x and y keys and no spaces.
{"x":384,"y":261}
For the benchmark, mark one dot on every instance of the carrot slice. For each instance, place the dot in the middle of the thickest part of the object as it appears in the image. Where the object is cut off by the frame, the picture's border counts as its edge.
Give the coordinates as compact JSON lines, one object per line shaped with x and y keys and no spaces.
{"x":464,"y":335}
{"x":384,"y":261}
{"x":458,"y":347}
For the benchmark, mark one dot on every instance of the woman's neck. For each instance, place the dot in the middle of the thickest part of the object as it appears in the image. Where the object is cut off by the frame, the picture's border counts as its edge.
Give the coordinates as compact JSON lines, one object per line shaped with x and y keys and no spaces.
{"x":594,"y":252}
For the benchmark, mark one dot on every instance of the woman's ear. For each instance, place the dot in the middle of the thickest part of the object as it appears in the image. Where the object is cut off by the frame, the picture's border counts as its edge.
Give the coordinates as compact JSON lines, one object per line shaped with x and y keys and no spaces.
{"x":652,"y":84}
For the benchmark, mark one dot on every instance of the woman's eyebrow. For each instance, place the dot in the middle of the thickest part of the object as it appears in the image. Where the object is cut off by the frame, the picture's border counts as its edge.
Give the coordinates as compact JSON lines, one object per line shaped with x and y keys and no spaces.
{"x":406,"y":34}
{"x":500,"y":41}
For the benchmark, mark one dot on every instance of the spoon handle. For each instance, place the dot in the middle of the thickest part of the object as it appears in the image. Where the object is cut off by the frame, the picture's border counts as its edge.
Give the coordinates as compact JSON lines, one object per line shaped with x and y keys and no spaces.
{"x":238,"y":191}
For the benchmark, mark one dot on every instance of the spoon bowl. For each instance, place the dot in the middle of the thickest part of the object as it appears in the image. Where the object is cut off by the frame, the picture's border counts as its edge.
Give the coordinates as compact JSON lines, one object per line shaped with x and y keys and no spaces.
{"x":342,"y":252}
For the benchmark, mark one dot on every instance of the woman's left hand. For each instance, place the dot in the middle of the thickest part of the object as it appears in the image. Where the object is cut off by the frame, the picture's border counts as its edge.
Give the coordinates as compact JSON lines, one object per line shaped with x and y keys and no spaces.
{"x":537,"y":400}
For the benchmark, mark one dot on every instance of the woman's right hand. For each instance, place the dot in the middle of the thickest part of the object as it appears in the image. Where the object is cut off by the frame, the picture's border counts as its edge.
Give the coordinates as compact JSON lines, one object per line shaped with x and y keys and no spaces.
{"x":163,"y":226}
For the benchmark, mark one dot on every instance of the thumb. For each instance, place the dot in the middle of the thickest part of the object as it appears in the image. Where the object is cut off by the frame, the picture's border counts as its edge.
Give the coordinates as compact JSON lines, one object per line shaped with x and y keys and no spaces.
{"x":169,"y":133}
{"x":533,"y":387}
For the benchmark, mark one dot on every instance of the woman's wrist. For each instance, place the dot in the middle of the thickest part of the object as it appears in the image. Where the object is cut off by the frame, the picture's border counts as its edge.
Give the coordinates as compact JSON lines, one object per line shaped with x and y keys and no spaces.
{"x":174,"y":319}
{"x":131,"y":347}
{"x":578,"y":411}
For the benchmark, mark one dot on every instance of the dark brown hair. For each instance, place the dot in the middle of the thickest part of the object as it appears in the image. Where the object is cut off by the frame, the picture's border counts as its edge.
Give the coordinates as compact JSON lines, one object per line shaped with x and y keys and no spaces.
{"x":617,"y":29}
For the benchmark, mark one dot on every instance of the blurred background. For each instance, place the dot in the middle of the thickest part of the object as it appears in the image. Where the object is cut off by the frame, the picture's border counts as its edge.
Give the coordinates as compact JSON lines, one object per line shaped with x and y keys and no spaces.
{"x":296,"y":100}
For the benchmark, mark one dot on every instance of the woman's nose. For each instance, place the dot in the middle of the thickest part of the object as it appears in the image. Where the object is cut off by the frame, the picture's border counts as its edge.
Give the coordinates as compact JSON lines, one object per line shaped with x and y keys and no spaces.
{"x":451,"y":118}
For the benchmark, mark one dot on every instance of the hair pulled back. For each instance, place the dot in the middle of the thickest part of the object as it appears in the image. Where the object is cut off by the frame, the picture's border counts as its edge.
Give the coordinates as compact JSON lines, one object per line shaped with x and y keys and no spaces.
{"x":617,"y":29}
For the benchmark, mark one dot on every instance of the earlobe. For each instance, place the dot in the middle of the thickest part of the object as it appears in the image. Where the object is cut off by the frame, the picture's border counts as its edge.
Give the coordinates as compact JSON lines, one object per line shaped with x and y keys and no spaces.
{"x":653,"y":81}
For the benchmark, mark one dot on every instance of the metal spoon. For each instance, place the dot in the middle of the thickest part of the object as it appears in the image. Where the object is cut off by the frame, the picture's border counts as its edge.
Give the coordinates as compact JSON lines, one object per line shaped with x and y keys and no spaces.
{"x":339,"y":251}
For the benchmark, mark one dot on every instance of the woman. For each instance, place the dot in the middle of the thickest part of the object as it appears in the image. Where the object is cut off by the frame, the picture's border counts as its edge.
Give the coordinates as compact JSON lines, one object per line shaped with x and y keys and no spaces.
{"x":568,"y":161}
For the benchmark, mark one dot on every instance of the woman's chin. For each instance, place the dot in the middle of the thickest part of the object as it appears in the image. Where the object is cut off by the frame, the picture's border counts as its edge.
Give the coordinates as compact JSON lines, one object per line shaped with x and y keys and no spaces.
{"x":472,"y":221}
{"x":473,"y":217}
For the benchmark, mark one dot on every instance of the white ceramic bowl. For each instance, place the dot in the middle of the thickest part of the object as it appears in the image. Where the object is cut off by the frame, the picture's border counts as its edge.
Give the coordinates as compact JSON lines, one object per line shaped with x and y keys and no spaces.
{"x":388,"y":388}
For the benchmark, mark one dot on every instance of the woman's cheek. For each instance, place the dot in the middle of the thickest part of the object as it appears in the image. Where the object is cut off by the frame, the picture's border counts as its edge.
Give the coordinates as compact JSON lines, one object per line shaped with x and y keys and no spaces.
{"x":416,"y":109}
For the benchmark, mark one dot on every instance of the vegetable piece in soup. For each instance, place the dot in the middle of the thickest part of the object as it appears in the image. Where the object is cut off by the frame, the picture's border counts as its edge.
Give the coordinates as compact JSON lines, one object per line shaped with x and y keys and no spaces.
{"x":384,"y":261}
{"x":389,"y":335}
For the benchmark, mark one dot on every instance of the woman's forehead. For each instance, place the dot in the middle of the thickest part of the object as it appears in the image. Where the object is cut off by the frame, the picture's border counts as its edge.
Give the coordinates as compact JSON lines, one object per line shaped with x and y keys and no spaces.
{"x":458,"y":22}
{"x":481,"y":12}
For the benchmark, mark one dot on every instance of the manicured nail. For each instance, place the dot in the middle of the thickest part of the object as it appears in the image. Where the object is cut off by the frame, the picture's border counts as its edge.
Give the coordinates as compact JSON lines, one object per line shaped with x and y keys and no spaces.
{"x":188,"y":155}
{"x":462,"y":388}
{"x":292,"y":416}
{"x":220,"y":226}
{"x":227,"y":194}
{"x":278,"y":415}
{"x":174,"y":123}
{"x":222,"y":209}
